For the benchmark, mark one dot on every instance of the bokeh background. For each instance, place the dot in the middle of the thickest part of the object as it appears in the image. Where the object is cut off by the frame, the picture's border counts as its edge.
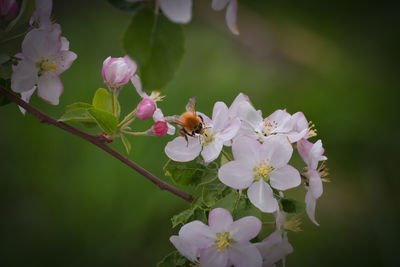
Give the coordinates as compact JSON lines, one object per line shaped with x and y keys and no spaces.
{"x":63,"y":202}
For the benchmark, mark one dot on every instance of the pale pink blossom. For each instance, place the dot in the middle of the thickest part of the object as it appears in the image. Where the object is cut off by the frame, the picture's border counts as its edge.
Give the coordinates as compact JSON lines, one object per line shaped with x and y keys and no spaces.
{"x":223,"y":242}
{"x":259,"y":167}
{"x":231,"y":12}
{"x":312,"y":154}
{"x":8,"y":9}
{"x":279,"y":122}
{"x":209,"y":144}
{"x":117,"y":72}
{"x":45,"y":56}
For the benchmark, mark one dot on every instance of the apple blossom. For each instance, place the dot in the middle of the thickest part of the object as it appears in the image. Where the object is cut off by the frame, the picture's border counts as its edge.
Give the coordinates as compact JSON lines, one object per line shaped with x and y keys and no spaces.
{"x":259,"y":167}
{"x":223,"y":242}
{"x":117,"y":72}
{"x":160,"y":127}
{"x":209,"y":144}
{"x":231,"y":12}
{"x":274,"y":248}
{"x":45,"y":56}
{"x":8,"y":9}
{"x":312,"y":154}
{"x":280,"y":122}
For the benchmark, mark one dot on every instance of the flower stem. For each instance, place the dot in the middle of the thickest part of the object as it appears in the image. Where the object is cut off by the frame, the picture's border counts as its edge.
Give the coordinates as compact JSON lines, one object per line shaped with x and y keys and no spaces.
{"x":134,"y":133}
{"x":114,"y":103}
{"x":13,"y":37}
{"x":127,"y":120}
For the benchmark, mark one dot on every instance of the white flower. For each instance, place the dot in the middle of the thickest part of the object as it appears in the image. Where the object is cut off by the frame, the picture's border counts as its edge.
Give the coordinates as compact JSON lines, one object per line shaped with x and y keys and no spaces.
{"x":280,"y":122}
{"x":274,"y":248}
{"x":312,"y":154}
{"x":231,"y":12}
{"x":44,"y":56}
{"x":221,"y":242}
{"x":217,"y":131}
{"x":260,"y":167}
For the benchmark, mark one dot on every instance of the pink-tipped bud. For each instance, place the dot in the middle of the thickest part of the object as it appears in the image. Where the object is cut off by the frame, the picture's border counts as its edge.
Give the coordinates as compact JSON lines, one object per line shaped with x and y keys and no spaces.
{"x":146,"y":109}
{"x":8,"y":9}
{"x":118,"y":71}
{"x":160,"y":128}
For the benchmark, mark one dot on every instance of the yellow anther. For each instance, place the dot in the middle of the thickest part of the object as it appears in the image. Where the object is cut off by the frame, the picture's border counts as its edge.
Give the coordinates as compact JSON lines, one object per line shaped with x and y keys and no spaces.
{"x":262,"y":171}
{"x":223,"y":241}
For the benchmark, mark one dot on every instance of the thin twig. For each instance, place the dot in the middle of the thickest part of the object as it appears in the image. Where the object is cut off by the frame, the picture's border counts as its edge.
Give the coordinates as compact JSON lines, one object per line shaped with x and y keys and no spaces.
{"x":95,"y":140}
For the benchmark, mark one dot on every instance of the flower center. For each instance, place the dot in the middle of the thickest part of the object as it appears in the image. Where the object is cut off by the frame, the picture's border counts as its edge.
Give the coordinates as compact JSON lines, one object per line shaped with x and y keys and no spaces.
{"x":208,"y":137}
{"x":46,"y":65}
{"x":223,"y":241}
{"x":262,"y":171}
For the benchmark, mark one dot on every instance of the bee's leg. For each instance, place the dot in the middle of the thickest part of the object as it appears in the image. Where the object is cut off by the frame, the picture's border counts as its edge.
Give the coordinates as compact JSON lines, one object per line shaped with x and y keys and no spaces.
{"x":183,"y":133}
{"x":201,"y":118}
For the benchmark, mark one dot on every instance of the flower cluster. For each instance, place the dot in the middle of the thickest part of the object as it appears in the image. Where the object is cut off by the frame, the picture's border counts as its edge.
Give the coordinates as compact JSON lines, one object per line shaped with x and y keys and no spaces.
{"x":261,"y":148}
{"x":45,"y":55}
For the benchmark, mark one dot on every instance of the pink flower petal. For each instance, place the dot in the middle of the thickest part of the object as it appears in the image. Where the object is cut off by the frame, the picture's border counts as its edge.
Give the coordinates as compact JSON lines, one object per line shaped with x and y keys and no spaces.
{"x":197,"y":234}
{"x":50,"y":87}
{"x":274,"y":248}
{"x":212,"y":150}
{"x":179,"y":150}
{"x":210,"y":257}
{"x":24,"y":76}
{"x":137,"y":83}
{"x":230,"y":130}
{"x":220,"y":220}
{"x":246,"y":149}
{"x":277,"y":150}
{"x":310,"y":207}
{"x":231,"y":16}
{"x":39,"y":44}
{"x":261,"y":195}
{"x":285,"y":178}
{"x":185,"y":248}
{"x":26,"y":96}
{"x":219,"y":4}
{"x":315,"y":183}
{"x":245,"y":255}
{"x":64,"y":61}
{"x":219,"y":116}
{"x":245,"y":228}
{"x":236,"y":174}
{"x":178,"y":11}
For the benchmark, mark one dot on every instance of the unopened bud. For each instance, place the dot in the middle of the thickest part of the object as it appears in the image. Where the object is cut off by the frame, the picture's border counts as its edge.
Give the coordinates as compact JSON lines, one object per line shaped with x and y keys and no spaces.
{"x":146,"y":109}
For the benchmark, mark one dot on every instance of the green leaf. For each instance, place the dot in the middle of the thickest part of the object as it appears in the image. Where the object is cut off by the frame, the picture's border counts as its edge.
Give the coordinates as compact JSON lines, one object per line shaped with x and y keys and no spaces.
{"x":107,"y":121}
{"x":212,"y":192}
{"x":78,"y":112}
{"x":6,"y":84}
{"x":156,"y":44}
{"x":126,"y":143}
{"x":126,"y":6}
{"x":103,"y":99}
{"x":228,"y":201}
{"x":292,"y":206}
{"x":245,"y":208}
{"x":182,"y":218}
{"x":194,"y":172}
{"x":174,"y":259}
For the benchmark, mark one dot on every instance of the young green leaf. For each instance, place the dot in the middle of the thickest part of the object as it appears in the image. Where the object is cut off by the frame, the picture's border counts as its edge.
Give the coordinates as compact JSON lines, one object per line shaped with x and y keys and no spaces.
{"x":174,"y":259}
{"x":212,"y":192}
{"x":107,"y":121}
{"x":156,"y":44}
{"x":103,"y":99}
{"x":245,"y":208}
{"x":292,"y":206}
{"x":194,"y":172}
{"x":78,"y":112}
{"x":227,"y":202}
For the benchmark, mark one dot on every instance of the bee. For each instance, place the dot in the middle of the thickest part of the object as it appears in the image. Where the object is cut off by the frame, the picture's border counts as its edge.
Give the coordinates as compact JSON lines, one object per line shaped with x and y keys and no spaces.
{"x":189,"y":122}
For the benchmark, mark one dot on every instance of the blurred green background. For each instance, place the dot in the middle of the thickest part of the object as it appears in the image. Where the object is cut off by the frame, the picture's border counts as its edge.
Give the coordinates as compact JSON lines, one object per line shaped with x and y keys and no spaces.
{"x":63,"y":202}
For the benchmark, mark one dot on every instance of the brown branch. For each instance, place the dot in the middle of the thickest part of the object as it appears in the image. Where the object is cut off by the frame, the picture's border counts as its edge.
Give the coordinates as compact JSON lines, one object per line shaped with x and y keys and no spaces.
{"x":95,"y":140}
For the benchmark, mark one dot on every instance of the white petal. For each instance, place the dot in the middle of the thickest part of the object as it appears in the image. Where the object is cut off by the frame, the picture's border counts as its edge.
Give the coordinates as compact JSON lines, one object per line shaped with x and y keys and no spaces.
{"x":280,"y":118}
{"x":212,"y":150}
{"x":245,"y":228}
{"x":315,"y":183}
{"x":26,"y":96}
{"x":207,"y":120}
{"x":277,"y":150}
{"x":185,"y":248}
{"x":274,"y":248}
{"x":64,"y":60}
{"x":247,"y":113}
{"x":296,"y":136}
{"x":220,"y":220}
{"x":245,"y":255}
{"x":179,"y":11}
{"x":261,"y":195}
{"x":219,"y":116}
{"x":64,"y":44}
{"x":310,"y":207}
{"x":285,"y":178}
{"x":246,"y":149}
{"x":171,"y":129}
{"x":231,"y":16}
{"x":179,"y":150}
{"x":210,"y":257}
{"x":304,"y":147}
{"x":197,"y":234}
{"x":316,"y":154}
{"x":158,"y":115}
{"x":230,"y":130}
{"x":233,"y":109}
{"x":24,"y":76}
{"x":137,"y":83}
{"x":219,"y":4}
{"x":236,"y":174}
{"x":50,"y":87}
{"x":40,"y":44}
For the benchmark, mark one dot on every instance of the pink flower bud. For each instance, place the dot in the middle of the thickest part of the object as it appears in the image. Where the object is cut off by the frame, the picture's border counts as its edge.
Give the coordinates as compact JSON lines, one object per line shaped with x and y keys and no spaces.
{"x":146,"y":109}
{"x":160,"y":128}
{"x":118,"y":71}
{"x":8,"y":9}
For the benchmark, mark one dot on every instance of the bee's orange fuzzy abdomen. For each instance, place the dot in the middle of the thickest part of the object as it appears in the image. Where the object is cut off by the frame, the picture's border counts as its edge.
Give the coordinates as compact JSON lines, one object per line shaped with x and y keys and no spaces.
{"x":190,"y":121}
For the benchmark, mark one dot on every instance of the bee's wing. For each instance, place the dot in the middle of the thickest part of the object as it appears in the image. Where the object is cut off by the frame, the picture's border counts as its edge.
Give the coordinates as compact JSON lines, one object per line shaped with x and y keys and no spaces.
{"x":173,"y":119}
{"x":191,"y":105}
